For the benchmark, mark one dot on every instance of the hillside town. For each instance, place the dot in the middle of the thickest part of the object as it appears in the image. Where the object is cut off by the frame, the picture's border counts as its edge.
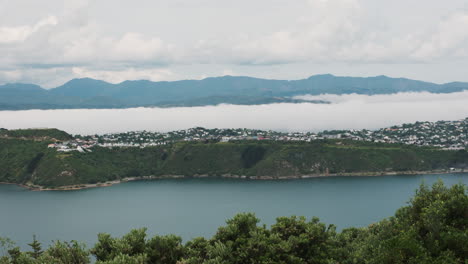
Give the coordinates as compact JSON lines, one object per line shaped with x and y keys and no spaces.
{"x":449,"y":135}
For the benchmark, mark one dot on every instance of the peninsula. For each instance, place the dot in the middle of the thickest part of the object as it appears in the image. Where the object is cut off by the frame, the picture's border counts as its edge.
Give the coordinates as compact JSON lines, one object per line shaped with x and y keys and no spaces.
{"x":32,"y":159}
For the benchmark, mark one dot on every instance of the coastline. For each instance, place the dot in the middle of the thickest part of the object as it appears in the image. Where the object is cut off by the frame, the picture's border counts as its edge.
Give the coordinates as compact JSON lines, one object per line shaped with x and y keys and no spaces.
{"x":75,"y":187}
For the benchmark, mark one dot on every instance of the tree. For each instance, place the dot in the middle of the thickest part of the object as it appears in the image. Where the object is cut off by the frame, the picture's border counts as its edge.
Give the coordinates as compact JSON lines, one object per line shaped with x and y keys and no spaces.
{"x":126,"y":259}
{"x":431,"y":229}
{"x":196,"y":250}
{"x":103,"y":250}
{"x":165,"y":249}
{"x":36,"y":247}
{"x":65,"y":253}
{"x":312,"y":242}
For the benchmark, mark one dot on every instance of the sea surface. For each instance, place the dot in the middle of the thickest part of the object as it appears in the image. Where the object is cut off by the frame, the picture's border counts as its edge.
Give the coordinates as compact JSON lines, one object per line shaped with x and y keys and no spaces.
{"x":196,"y":207}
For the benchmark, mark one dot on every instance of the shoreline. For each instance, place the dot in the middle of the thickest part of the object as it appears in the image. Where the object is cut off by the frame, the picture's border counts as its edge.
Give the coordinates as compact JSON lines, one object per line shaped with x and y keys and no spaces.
{"x":75,"y":187}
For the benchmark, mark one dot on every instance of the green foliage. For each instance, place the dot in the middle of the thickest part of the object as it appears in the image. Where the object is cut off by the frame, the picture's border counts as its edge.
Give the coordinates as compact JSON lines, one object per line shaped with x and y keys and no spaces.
{"x":251,"y":155}
{"x":65,"y":253}
{"x":134,"y":248}
{"x":196,"y":250}
{"x":5,"y":245}
{"x":58,"y":253}
{"x":49,"y":133}
{"x":431,"y":229}
{"x":461,"y":157}
{"x":29,"y":161}
{"x":36,"y":248}
{"x":126,"y":259}
{"x":34,"y":162}
{"x":18,"y":157}
{"x":165,"y":249}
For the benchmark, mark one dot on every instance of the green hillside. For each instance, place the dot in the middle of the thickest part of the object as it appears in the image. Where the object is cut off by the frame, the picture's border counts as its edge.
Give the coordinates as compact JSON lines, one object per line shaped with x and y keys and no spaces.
{"x":28,"y":161}
{"x":38,"y":134}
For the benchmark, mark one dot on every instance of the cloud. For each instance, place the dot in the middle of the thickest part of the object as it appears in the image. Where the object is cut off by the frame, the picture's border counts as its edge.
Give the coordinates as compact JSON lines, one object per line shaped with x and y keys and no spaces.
{"x":11,"y":75}
{"x":50,"y":77}
{"x":10,"y":35}
{"x":450,"y":39}
{"x":325,"y":33}
{"x":347,"y":112}
{"x":228,"y":72}
{"x":345,"y":31}
{"x":56,"y":49}
{"x":411,"y":97}
{"x":131,"y":47}
{"x":74,"y":40}
{"x":118,"y":76}
{"x":85,"y":35}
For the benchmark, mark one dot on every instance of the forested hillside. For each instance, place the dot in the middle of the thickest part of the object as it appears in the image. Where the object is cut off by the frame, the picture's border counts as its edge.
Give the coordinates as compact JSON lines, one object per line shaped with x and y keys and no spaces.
{"x":29,"y":161}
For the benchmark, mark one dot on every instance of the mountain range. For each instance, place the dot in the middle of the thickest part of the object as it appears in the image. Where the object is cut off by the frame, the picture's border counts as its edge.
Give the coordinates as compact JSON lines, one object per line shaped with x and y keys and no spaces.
{"x":91,"y":93}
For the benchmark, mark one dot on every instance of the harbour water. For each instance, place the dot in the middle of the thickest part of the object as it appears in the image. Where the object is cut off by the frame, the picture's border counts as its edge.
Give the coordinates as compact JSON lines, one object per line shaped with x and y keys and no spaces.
{"x":196,"y":207}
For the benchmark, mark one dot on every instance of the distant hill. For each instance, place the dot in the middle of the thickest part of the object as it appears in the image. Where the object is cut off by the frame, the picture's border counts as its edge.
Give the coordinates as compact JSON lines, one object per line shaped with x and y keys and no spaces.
{"x":90,"y":93}
{"x":35,"y":134}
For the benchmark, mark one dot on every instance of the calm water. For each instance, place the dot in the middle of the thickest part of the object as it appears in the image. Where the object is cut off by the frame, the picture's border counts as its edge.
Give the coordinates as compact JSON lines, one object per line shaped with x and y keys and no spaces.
{"x":197,"y":207}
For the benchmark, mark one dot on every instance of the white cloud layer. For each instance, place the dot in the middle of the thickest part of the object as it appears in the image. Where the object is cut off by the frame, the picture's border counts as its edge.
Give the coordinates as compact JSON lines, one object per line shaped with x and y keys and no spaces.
{"x":347,"y":112}
{"x":21,"y":33}
{"x":412,"y":97}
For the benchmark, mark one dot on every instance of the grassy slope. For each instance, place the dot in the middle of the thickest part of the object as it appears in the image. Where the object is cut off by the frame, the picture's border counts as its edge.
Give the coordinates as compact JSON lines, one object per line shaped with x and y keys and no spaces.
{"x":24,"y":161}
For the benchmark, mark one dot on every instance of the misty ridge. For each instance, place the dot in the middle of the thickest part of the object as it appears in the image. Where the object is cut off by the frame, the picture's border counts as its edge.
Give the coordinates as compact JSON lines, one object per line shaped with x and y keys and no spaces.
{"x":349,"y":111}
{"x":90,"y":93}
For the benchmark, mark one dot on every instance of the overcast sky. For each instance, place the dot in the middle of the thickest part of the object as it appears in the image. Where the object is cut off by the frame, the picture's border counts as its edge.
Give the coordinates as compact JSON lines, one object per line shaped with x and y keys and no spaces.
{"x":51,"y":41}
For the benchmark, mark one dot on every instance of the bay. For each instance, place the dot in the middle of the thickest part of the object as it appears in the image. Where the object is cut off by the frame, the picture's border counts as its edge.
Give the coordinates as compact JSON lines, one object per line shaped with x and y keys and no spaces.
{"x":197,"y":207}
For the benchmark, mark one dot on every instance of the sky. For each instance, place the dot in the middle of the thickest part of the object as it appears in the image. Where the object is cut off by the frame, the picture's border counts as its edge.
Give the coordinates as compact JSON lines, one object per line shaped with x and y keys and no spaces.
{"x":49,"y":42}
{"x":345,"y":112}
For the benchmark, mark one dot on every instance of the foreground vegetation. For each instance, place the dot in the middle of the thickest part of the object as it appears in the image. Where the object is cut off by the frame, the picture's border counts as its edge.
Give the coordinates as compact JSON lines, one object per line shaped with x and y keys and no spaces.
{"x":26,"y":159}
{"x":433,"y":228}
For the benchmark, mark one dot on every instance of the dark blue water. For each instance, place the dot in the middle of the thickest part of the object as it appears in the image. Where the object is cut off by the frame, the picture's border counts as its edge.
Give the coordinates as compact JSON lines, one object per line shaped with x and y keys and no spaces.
{"x":196,"y":207}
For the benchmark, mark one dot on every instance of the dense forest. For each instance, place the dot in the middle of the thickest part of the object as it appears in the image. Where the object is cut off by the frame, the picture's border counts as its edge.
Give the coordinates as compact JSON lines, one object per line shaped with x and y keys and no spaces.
{"x":26,"y":159}
{"x":431,"y":229}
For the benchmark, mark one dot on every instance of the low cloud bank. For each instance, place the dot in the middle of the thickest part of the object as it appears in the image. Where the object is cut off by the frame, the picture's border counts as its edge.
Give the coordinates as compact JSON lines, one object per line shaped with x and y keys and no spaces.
{"x":346,"y":112}
{"x":411,"y":97}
